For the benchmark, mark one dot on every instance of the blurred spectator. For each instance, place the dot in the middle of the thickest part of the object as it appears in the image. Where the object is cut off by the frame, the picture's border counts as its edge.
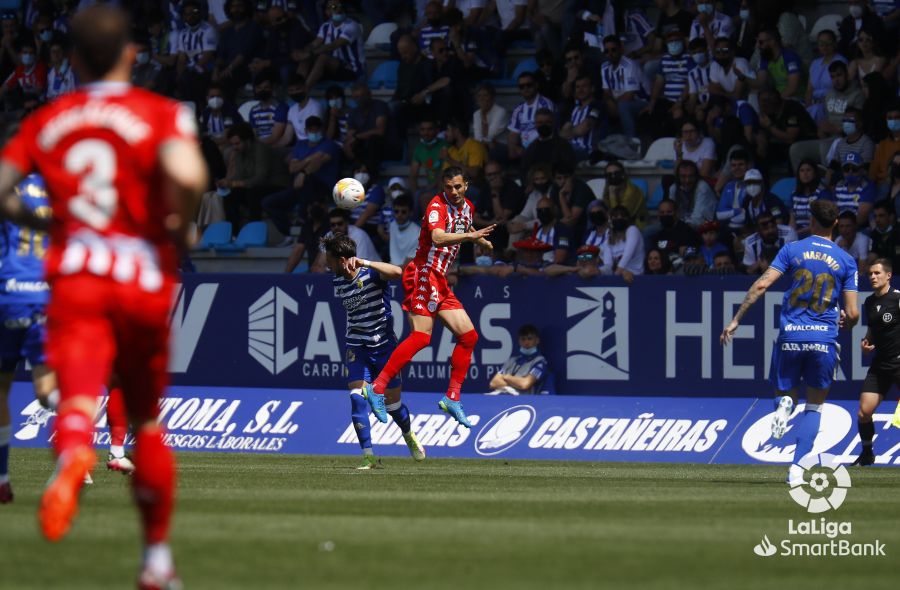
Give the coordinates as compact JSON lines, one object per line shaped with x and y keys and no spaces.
{"x":407,"y":103}
{"x":860,"y":21}
{"x":472,"y":47}
{"x":670,"y":14}
{"x":693,"y":264}
{"x":879,"y":96}
{"x":885,"y":237}
{"x":513,"y":20}
{"x":303,"y":108}
{"x":698,"y":79}
{"x":693,"y":147}
{"x":854,"y":140}
{"x":571,"y":195}
{"x":867,"y":57}
{"x":598,"y":225}
{"x":808,"y":189}
{"x":852,"y":242}
{"x":486,"y":263}
{"x":500,"y":202}
{"x":217,"y":116}
{"x":710,"y":244}
{"x":434,"y":27}
{"x":621,"y":192}
{"x":61,"y":77}
{"x":761,"y":247}
{"x":709,"y":23}
{"x":729,"y":75}
{"x":526,"y":371}
{"x":285,"y":38}
{"x":550,"y":232}
{"x":339,"y":222}
{"x":657,"y":263}
{"x":538,"y":187}
{"x":694,"y":197}
{"x":162,"y":41}
{"x":624,"y":251}
{"x":367,"y":132}
{"x":674,"y":235}
{"x":464,"y":152}
{"x":782,"y":123}
{"x":27,"y":84}
{"x":314,"y":162}
{"x":427,"y":159}
{"x":268,"y":117}
{"x":779,"y":67}
{"x":723,"y":264}
{"x":745,"y":30}
{"x":546,"y":24}
{"x":146,"y":71}
{"x":670,"y":85}
{"x":253,"y":172}
{"x":445,"y":96}
{"x":623,"y":86}
{"x":9,"y":46}
{"x":490,"y":120}
{"x":729,"y":207}
{"x":239,"y":44}
{"x":586,"y":121}
{"x":522,"y":127}
{"x":820,"y":79}
{"x":337,"y":51}
{"x":548,"y":147}
{"x":573,"y":56}
{"x":403,"y":232}
{"x":587,"y":261}
{"x":337,"y":117}
{"x":312,"y":231}
{"x":889,"y":13}
{"x":380,"y":11}
{"x":530,"y":256}
{"x":369,"y":216}
{"x":549,"y":76}
{"x":194,"y":48}
{"x":42,"y":34}
{"x":855,"y":192}
{"x":758,"y":200}
{"x":894,"y":186}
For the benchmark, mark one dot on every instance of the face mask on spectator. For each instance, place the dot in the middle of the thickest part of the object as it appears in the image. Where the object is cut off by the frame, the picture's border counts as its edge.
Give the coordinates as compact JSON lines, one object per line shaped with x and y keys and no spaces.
{"x":620,"y":224}
{"x":545,"y":215}
{"x":700,"y":57}
{"x":754,"y":189}
{"x":615,"y":178}
{"x":705,"y":8}
{"x":848,"y":127}
{"x":298,"y":96}
{"x":744,"y":13}
{"x":675,"y":47}
{"x":263,"y":95}
{"x":483,"y":260}
{"x":362,"y":177}
{"x":893,"y":125}
{"x":46,"y":35}
{"x":396,"y":192}
{"x":851,"y":178}
{"x":541,"y":187}
{"x":215,"y":102}
{"x":142,"y":58}
{"x":27,"y":59}
{"x":314,"y":137}
{"x":528,"y":351}
{"x":337,"y":18}
{"x":334,"y":103}
{"x":544,"y":131}
{"x":598,"y":218}
{"x":855,"y":11}
{"x":667,"y":221}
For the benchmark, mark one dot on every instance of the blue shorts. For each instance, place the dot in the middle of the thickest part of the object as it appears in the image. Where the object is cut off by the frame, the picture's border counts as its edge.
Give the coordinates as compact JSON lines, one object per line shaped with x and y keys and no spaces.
{"x":364,"y":364}
{"x":812,"y":363}
{"x":21,"y":335}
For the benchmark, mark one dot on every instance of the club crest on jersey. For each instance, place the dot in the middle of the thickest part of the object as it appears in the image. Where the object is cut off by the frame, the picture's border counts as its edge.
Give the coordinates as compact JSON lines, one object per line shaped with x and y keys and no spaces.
{"x":433,"y":216}
{"x":432,"y":306}
{"x":886,"y":318}
{"x":460,"y":227}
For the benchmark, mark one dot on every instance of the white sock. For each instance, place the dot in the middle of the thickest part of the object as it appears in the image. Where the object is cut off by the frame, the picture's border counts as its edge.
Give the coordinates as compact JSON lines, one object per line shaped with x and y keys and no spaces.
{"x":158,"y":559}
{"x":368,"y":452}
{"x":394,"y":406}
{"x":4,"y":479}
{"x":53,"y":400}
{"x":117,"y":451}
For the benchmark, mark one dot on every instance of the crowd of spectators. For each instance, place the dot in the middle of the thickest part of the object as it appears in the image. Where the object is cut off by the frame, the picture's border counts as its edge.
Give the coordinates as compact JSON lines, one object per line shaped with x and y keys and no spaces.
{"x":284,"y":108}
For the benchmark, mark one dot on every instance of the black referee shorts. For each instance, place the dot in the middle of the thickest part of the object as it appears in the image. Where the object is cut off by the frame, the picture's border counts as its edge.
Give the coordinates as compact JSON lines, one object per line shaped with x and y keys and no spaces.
{"x":880,"y":380}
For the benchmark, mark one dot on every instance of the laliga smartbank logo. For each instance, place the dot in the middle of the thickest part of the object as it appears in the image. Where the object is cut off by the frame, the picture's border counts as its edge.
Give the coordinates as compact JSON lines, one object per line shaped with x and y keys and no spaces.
{"x":819,"y":484}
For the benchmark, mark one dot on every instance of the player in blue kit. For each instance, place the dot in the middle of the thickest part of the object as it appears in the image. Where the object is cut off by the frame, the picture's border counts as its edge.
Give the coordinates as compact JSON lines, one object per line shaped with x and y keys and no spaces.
{"x":806,"y":350}
{"x":23,"y":295}
{"x":362,"y":288}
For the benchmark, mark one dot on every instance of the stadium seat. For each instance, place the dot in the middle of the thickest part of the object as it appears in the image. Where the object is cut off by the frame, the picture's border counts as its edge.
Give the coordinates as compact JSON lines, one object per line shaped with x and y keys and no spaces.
{"x":244,"y":109}
{"x":254,"y":234}
{"x":826,"y":21}
{"x":216,"y":234}
{"x":597,"y":185}
{"x":526,"y":65}
{"x":641,"y":183}
{"x":380,"y":37}
{"x":385,"y":75}
{"x":655,"y":198}
{"x":802,"y":20}
{"x":783,"y":189}
{"x":661,"y":149}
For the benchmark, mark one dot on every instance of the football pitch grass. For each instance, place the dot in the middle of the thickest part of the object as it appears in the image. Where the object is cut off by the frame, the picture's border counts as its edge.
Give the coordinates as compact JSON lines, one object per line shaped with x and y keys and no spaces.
{"x":288,"y":521}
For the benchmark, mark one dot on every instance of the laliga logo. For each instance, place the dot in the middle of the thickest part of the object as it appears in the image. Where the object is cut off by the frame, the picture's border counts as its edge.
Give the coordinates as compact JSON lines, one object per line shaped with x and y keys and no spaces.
{"x":504,"y":430}
{"x":37,"y":417}
{"x":827,"y":486}
{"x":759,"y":444}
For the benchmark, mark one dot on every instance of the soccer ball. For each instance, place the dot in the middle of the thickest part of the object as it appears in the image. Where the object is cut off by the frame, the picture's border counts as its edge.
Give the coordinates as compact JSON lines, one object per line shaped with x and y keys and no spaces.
{"x":349,"y":193}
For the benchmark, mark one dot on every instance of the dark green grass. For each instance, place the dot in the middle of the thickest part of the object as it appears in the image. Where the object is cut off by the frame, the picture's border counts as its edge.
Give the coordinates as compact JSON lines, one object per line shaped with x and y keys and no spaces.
{"x":253,"y":521}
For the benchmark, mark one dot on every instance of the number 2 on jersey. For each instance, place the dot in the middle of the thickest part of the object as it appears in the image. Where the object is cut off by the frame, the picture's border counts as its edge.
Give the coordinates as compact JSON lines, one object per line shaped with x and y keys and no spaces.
{"x":94,"y":161}
{"x":822,"y":287}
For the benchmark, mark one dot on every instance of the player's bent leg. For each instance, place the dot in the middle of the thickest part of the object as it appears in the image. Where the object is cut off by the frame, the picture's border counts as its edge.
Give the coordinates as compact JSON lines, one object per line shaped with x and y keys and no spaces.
{"x":457,"y":321}
{"x":117,"y":418}
{"x":784,"y":407}
{"x":46,"y":389}
{"x":807,"y":428}
{"x":359,"y":416}
{"x":405,"y":351}
{"x":868,"y":403}
{"x":6,"y":494}
{"x":400,"y":413}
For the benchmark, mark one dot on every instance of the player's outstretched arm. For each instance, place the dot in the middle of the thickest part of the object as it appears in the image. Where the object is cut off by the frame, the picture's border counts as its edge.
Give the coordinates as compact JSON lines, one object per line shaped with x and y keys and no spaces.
{"x":11,"y":205}
{"x":759,"y":287}
{"x":386,"y":270}
{"x":442,"y":238}
{"x":185,"y":170}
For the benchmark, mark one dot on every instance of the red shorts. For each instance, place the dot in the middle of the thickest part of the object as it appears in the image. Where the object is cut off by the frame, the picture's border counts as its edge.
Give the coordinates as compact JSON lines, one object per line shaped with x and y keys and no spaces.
{"x":427,"y":292}
{"x":95,"y":326}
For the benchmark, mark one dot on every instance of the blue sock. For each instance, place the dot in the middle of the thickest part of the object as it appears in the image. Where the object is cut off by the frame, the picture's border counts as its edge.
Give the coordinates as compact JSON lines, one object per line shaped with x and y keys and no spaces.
{"x":400,"y":413}
{"x":360,"y":416}
{"x":5,"y":432}
{"x":807,"y":430}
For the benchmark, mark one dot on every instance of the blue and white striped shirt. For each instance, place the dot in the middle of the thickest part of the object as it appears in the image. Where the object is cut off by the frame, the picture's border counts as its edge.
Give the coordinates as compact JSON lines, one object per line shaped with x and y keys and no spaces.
{"x":522,"y":119}
{"x":849,"y":198}
{"x":351,"y":55}
{"x":195,"y":41}
{"x":429,"y":34}
{"x":581,"y":112}
{"x":698,"y":83}
{"x":800,"y":203}
{"x":626,"y":77}
{"x":368,"y":305}
{"x":720,"y":26}
{"x":674,"y":70}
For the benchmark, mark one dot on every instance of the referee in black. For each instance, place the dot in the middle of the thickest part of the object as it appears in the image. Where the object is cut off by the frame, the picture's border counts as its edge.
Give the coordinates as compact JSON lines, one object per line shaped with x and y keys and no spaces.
{"x":882,"y":309}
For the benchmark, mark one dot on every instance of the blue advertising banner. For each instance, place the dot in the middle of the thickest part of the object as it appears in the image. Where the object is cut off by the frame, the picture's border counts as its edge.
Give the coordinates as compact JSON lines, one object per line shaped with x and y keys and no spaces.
{"x":658,"y":336}
{"x":584,"y":428}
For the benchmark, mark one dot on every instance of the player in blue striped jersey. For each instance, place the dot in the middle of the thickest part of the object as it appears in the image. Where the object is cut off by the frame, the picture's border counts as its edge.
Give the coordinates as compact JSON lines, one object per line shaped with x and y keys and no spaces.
{"x":23,"y":295}
{"x":361,"y":285}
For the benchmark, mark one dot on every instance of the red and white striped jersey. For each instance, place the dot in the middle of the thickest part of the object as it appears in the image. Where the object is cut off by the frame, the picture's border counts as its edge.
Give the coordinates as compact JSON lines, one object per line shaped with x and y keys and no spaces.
{"x":441,"y":214}
{"x":98,"y":150}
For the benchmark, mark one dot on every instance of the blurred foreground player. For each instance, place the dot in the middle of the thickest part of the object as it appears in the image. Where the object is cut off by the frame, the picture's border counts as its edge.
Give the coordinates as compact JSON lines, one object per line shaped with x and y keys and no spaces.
{"x":806,"y":351}
{"x":361,"y":286}
{"x":23,"y":295}
{"x":124,"y":173}
{"x":446,"y":225}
